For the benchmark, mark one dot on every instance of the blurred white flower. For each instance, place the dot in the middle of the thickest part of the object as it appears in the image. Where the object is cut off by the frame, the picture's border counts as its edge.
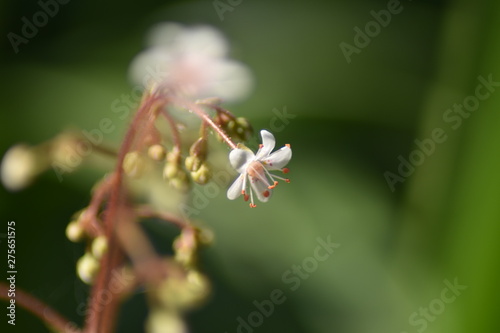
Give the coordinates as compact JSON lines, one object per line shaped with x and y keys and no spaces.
{"x":192,"y":62}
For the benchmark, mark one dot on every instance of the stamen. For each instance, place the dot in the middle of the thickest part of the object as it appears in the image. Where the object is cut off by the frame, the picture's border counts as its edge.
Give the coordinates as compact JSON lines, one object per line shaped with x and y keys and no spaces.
{"x":288,"y":145}
{"x":252,"y":205}
{"x":274,"y":176}
{"x":245,"y":197}
{"x":266,"y":194}
{"x":244,"y":186}
{"x":287,"y":180}
{"x":261,"y":145}
{"x":285,"y":170}
{"x":273,"y":186}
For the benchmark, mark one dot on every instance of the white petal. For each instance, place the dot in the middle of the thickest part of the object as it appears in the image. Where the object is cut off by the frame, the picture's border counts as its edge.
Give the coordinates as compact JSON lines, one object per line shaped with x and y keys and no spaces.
{"x":268,"y":143}
{"x":199,"y":39}
{"x":278,"y":159}
{"x":206,"y":40}
{"x":239,"y":158}
{"x":235,"y":190}
{"x":260,"y":187}
{"x":232,"y":80}
{"x":152,"y":66}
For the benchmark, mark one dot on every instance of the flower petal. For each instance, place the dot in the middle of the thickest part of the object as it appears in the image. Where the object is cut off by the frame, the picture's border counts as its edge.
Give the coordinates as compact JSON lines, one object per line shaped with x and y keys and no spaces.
{"x":231,"y":80}
{"x":278,"y":159}
{"x":235,"y":190}
{"x":268,"y":143}
{"x":260,"y":188}
{"x":239,"y":158}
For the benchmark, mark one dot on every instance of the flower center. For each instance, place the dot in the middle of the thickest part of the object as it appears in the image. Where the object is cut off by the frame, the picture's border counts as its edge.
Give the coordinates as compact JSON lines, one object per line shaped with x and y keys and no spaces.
{"x":256,"y":170}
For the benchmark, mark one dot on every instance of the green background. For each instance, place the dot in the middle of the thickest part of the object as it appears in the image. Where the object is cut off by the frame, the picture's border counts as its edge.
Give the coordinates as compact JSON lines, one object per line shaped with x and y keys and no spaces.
{"x":352,"y":122}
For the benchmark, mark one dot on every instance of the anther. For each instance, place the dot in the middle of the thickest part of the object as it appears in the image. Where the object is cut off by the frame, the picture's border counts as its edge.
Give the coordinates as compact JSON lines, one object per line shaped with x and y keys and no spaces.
{"x":266,"y":194}
{"x":288,"y":145}
{"x":285,"y":170}
{"x":273,"y":186}
{"x":253,"y":205}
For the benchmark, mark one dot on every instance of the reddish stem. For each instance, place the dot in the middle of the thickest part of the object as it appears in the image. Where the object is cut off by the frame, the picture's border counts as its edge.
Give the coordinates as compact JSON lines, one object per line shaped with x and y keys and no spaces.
{"x":102,"y":318}
{"x":205,"y":117}
{"x":39,"y":309}
{"x":173,"y":127}
{"x":148,"y":212}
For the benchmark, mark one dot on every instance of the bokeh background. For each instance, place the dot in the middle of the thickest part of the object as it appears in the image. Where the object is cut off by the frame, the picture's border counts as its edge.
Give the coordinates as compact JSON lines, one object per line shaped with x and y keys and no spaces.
{"x":351,"y":122}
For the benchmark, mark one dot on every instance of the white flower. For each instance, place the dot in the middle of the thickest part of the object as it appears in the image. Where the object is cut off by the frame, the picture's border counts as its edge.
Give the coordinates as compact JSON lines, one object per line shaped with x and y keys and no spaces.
{"x":254,"y":169}
{"x":192,"y":62}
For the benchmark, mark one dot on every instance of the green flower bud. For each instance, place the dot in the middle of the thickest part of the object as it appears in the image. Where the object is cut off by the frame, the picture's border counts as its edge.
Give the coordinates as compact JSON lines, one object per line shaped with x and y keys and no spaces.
{"x":133,"y":164}
{"x":87,"y":268}
{"x":180,"y":181}
{"x":243,"y":129}
{"x":99,"y":246}
{"x":164,"y":321}
{"x":157,"y":152}
{"x":20,"y":165}
{"x":170,"y":170}
{"x":197,"y":155}
{"x":202,"y":175}
{"x":183,"y":293}
{"x":74,"y":231}
{"x":239,"y":129}
{"x":192,"y":163}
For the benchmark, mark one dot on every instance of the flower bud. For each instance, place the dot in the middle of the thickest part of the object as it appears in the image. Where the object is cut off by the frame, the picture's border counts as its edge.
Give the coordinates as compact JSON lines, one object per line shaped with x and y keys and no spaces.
{"x":87,"y":268}
{"x":19,"y":167}
{"x":74,"y":231}
{"x":197,"y":155}
{"x":157,"y":152}
{"x":180,"y":181}
{"x":99,"y":246}
{"x":133,"y":164}
{"x":183,"y":292}
{"x":202,"y":175}
{"x":239,"y":129}
{"x":170,"y":170}
{"x":165,"y":321}
{"x":243,"y":129}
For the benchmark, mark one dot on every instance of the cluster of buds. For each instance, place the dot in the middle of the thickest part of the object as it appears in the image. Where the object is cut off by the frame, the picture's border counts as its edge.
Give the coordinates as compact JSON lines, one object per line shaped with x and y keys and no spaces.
{"x":238,"y":128}
{"x":185,"y":288}
{"x":196,"y":162}
{"x":80,"y":229}
{"x":174,"y":172}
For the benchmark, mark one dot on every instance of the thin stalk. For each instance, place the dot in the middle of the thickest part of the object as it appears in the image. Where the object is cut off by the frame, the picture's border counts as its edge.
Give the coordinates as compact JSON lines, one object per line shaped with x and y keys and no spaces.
{"x":102,"y":318}
{"x":173,"y":127}
{"x":39,"y":309}
{"x":205,"y":117}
